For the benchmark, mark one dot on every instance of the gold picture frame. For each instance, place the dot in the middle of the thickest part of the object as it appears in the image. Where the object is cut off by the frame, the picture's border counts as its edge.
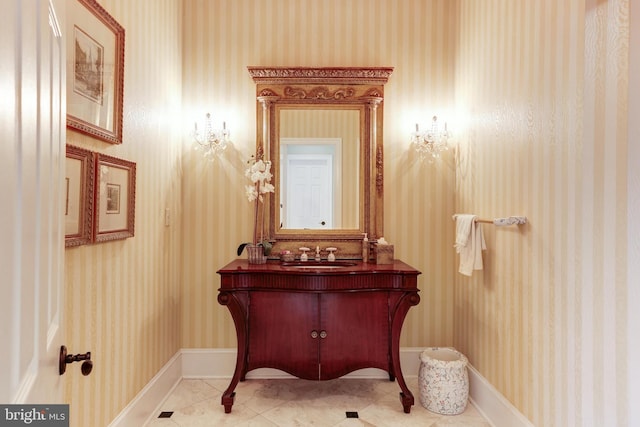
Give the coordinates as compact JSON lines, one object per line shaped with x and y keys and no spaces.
{"x":115,"y":197}
{"x":78,"y":207}
{"x":95,"y":71}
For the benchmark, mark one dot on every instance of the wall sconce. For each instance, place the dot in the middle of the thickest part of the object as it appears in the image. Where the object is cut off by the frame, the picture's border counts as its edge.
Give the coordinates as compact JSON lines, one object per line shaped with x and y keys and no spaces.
{"x":429,"y":144}
{"x":211,"y":141}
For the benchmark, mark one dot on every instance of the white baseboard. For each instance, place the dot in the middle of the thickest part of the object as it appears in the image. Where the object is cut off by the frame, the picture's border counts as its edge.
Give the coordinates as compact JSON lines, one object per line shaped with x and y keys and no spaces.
{"x":220,"y":363}
{"x":139,"y":411}
{"x":492,"y":404}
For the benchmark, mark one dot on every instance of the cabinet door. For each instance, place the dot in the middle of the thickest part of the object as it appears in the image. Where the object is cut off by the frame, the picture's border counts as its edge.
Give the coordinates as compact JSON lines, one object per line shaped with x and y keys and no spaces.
{"x":357,"y":332}
{"x":280,"y":332}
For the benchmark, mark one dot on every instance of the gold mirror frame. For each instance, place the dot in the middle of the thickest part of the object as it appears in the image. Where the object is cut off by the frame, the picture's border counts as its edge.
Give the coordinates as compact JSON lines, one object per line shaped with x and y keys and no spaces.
{"x":347,"y":88}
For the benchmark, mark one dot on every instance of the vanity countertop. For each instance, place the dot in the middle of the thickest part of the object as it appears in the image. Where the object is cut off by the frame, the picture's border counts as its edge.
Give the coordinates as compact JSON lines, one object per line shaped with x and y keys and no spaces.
{"x":240,"y":266}
{"x":318,"y":276}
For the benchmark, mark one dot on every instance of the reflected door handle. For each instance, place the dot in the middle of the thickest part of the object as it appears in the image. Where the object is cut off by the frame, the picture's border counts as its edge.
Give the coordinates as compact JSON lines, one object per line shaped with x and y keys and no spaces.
{"x":322,"y":223}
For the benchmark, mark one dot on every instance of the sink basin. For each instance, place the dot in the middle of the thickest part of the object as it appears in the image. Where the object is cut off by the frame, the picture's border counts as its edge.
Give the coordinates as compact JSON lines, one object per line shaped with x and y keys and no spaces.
{"x":314,"y":265}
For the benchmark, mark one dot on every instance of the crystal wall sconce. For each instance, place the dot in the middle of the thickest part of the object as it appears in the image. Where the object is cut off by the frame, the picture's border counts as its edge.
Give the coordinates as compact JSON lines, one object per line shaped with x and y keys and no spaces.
{"x":431,"y":143}
{"x":212,"y":142}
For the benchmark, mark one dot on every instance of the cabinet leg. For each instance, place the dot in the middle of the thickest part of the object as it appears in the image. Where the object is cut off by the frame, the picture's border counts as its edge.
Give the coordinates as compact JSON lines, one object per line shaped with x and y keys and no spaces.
{"x":407,"y":401}
{"x":227,"y":401}
{"x":391,"y":370}
{"x":229,"y":394}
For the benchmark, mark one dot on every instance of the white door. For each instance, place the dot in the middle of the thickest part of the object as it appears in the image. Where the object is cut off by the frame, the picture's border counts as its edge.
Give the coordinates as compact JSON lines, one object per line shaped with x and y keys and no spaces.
{"x":309,"y":196}
{"x":32,"y":154}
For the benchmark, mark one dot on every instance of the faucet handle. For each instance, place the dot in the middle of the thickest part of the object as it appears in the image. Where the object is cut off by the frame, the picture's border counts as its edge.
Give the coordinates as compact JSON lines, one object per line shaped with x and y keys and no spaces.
{"x":331,"y":257}
{"x":304,"y":255}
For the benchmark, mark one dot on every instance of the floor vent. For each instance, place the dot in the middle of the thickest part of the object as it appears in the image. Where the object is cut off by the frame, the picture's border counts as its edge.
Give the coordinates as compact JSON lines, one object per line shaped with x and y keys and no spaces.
{"x":165,"y":414}
{"x":352,"y":414}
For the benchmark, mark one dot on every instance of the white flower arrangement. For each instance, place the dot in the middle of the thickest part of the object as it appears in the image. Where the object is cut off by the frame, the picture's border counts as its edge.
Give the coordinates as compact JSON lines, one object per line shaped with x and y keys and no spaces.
{"x":259,"y":173}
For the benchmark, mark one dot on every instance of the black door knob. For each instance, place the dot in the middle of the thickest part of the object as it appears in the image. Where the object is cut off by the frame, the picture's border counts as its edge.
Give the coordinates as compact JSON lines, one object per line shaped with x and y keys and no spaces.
{"x":65,"y":359}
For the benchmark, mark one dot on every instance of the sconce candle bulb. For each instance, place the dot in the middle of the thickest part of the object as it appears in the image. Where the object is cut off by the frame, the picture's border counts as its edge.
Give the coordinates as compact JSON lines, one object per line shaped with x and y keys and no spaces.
{"x":211,"y":141}
{"x":431,"y":143}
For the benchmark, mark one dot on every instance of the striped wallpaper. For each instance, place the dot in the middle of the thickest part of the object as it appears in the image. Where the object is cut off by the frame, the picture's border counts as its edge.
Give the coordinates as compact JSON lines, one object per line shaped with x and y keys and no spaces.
{"x":416,"y":37}
{"x":123,"y":298}
{"x":544,"y":87}
{"x":535,"y":95}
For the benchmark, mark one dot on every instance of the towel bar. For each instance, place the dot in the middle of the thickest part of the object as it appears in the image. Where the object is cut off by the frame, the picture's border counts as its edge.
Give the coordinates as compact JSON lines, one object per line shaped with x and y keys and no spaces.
{"x":511,"y":220}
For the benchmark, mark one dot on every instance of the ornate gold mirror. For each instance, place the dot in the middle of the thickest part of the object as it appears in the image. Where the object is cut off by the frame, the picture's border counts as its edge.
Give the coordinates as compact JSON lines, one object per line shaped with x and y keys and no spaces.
{"x":322,"y":130}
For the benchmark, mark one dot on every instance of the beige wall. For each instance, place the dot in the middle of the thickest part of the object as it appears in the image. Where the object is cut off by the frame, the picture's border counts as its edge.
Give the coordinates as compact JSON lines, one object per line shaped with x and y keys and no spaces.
{"x":221,"y":40}
{"x":544,"y":87}
{"x":539,"y":127}
{"x":123,"y":298}
{"x":633,"y":226}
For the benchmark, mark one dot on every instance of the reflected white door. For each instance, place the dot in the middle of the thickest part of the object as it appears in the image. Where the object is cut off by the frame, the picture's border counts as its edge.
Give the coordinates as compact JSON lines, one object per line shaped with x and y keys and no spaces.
{"x":32,"y":153}
{"x":309,"y":184}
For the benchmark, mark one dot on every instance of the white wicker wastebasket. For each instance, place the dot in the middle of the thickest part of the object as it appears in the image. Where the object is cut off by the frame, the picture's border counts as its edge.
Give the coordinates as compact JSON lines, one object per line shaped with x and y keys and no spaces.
{"x":444,"y":381}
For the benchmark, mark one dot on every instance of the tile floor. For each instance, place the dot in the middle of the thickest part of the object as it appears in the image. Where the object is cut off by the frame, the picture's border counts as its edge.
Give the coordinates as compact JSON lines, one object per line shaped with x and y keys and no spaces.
{"x":294,"y":402}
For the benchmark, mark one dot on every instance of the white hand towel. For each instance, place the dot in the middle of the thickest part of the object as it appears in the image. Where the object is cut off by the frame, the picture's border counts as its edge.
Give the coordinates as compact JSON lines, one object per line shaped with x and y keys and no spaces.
{"x":471,"y":251}
{"x":464,"y":222}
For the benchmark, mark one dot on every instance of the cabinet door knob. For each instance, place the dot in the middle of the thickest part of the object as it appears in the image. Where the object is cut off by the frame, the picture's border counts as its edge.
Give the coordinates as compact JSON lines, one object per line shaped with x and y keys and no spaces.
{"x":314,"y":334}
{"x":323,"y":334}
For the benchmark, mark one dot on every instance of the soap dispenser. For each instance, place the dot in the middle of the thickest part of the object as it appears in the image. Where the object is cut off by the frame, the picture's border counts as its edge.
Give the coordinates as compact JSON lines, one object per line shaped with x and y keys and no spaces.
{"x":365,"y":248}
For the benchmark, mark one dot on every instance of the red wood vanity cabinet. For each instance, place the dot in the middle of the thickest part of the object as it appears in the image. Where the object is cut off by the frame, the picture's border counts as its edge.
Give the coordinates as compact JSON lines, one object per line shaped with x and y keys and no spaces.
{"x":318,"y":323}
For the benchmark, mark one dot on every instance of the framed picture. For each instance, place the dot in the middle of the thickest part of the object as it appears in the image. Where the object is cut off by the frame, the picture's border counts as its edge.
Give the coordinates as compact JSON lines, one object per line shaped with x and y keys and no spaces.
{"x":95,"y":71}
{"x":115,"y":198}
{"x":78,"y":204}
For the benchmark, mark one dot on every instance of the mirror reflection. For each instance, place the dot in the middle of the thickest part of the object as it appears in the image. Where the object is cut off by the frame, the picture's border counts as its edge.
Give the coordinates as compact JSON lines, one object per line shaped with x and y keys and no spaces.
{"x":319,"y":168}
